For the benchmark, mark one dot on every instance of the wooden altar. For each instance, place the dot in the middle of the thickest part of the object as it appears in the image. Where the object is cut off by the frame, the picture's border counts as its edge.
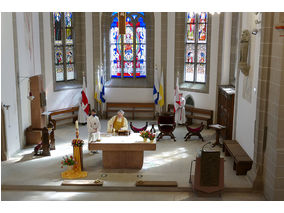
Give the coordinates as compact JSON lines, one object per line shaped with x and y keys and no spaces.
{"x":122,"y":152}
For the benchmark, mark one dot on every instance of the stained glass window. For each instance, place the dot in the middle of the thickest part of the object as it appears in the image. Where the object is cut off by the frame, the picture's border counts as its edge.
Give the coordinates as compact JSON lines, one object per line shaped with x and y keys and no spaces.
{"x":130,"y":49}
{"x":57,"y":28}
{"x":63,"y":46}
{"x":59,"y":72}
{"x":115,"y":49}
{"x":196,"y":47}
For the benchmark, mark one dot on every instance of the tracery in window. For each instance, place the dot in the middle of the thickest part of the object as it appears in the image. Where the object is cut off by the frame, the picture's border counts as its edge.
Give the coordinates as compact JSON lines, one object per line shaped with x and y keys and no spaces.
{"x":63,"y":48}
{"x":128,"y":52}
{"x":196,"y":47}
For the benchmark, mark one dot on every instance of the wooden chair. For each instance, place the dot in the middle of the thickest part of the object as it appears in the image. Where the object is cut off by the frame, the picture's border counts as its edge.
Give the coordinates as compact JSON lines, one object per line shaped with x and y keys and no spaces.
{"x":193,"y":131}
{"x":166,"y":125}
{"x":137,"y":130}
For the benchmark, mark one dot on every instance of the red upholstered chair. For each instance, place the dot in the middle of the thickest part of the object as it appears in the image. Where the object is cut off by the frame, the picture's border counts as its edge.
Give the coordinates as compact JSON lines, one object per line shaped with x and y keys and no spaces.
{"x":193,"y":131}
{"x":137,"y":130}
{"x":166,"y":125}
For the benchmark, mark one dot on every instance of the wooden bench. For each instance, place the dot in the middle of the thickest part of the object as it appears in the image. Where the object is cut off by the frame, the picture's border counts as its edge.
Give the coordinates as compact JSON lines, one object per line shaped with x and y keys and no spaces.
{"x":196,"y":113}
{"x":242,"y":162}
{"x":131,"y":107}
{"x":63,"y":111}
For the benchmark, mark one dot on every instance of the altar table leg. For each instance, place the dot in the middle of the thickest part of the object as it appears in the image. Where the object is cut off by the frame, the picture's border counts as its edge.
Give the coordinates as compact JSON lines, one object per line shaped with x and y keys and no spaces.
{"x":123,"y":159}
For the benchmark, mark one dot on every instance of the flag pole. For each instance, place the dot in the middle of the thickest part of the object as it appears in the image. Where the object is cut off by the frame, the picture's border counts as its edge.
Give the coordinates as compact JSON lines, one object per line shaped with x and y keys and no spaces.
{"x":159,"y":90}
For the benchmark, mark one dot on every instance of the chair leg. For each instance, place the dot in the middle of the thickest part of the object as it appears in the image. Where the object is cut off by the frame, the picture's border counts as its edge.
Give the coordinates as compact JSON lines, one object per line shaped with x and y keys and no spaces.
{"x":159,"y":136}
{"x":200,"y":136}
{"x":186,"y":135}
{"x":172,"y":136}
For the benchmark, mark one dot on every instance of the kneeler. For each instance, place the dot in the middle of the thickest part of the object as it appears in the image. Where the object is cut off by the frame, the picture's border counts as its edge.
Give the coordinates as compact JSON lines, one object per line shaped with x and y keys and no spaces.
{"x":194,"y":131}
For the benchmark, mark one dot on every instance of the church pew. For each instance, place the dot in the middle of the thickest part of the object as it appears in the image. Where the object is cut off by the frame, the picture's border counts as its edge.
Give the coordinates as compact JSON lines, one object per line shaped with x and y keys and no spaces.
{"x":195,"y":113}
{"x":52,"y":115}
{"x":242,"y":162}
{"x":131,"y":108}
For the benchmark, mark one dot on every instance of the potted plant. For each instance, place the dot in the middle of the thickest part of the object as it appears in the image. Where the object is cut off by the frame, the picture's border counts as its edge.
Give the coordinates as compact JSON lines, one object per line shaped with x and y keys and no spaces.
{"x":144,"y":135}
{"x":77,"y":142}
{"x":68,"y":161}
{"x":152,"y":137}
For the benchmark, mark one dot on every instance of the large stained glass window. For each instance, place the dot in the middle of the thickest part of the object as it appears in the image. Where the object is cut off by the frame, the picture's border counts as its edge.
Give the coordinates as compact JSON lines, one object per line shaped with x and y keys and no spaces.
{"x":196,"y":47}
{"x":128,"y":52}
{"x":63,"y":46}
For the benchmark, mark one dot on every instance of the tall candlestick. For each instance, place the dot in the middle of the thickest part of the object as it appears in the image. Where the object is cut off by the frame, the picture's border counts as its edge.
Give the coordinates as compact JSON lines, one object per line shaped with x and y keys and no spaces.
{"x":76,"y":124}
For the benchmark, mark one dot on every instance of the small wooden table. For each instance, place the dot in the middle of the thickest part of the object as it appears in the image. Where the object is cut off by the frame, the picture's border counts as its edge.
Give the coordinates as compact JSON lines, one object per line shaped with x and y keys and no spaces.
{"x":218,"y":129}
{"x":122,"y":152}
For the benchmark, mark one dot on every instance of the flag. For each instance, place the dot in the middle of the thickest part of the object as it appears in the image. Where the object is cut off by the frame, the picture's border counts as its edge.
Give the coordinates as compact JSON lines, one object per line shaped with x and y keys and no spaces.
{"x":156,"y":87}
{"x":98,"y":89}
{"x":102,"y":91}
{"x":161,"y":91}
{"x":85,"y":101}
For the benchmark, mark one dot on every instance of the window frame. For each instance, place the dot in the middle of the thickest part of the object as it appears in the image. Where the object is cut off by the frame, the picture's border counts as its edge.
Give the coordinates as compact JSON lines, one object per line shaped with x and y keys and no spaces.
{"x":79,"y":53}
{"x":134,"y":43}
{"x":64,"y":46}
{"x":196,"y":44}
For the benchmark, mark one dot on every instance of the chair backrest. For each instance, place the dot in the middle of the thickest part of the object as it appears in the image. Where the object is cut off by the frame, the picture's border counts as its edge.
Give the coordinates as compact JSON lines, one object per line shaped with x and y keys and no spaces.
{"x":166,"y":119}
{"x":136,"y":130}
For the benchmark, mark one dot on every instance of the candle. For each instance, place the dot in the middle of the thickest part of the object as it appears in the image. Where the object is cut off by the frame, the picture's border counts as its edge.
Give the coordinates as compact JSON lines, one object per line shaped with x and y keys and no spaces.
{"x":76,"y":124}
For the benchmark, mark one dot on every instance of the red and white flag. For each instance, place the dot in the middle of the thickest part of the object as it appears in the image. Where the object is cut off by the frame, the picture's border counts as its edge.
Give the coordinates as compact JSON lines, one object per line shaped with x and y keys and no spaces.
{"x":85,"y":101}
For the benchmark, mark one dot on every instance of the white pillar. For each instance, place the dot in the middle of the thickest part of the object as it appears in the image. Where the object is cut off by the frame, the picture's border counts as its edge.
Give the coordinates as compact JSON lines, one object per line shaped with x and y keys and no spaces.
{"x":89,"y":58}
{"x":169,"y":85}
{"x":225,"y":72}
{"x":157,"y":49}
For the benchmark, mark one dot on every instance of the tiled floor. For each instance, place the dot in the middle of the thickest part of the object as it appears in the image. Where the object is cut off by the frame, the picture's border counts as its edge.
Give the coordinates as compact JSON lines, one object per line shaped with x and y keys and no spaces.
{"x":171,"y":161}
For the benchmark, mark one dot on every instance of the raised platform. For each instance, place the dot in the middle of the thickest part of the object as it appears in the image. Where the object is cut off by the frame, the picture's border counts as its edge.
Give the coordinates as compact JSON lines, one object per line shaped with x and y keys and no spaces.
{"x":170,"y":162}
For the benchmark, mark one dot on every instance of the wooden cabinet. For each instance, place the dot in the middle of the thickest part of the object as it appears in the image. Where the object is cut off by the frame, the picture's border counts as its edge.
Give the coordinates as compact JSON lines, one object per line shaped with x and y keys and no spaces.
{"x":34,"y":132}
{"x":226,"y":97}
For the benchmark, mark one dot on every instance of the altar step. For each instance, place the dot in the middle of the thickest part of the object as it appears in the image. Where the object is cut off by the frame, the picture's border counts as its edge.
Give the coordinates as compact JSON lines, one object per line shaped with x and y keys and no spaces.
{"x":138,"y":183}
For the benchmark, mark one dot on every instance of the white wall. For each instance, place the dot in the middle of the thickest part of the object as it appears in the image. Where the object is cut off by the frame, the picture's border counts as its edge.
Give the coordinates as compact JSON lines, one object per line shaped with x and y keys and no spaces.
{"x":137,"y":95}
{"x":8,"y":84}
{"x":27,"y":25}
{"x":246,"y":113}
{"x":208,"y":100}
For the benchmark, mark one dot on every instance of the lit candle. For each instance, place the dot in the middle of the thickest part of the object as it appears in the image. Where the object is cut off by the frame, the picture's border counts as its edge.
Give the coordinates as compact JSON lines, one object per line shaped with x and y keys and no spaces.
{"x":76,"y":124}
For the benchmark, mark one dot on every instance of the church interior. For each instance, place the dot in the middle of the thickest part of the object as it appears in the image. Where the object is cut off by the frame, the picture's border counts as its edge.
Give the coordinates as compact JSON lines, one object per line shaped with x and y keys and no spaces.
{"x":177,"y":106}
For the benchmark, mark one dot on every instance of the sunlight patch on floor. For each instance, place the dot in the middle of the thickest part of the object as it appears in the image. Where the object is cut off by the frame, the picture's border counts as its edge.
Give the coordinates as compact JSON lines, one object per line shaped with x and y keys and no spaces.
{"x":164,"y":158}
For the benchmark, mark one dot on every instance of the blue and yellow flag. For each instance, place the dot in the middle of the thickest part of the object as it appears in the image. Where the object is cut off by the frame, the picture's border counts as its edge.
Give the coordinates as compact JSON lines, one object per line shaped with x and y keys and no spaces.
{"x":161,"y":91}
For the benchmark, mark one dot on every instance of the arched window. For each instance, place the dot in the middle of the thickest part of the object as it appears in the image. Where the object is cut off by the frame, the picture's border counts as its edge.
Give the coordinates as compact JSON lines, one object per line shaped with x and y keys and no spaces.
{"x":128,"y":52}
{"x":196,"y":47}
{"x":63,"y":46}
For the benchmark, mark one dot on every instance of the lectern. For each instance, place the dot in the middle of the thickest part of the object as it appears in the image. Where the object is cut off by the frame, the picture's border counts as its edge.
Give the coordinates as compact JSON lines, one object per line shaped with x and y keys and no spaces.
{"x":209,"y":173}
